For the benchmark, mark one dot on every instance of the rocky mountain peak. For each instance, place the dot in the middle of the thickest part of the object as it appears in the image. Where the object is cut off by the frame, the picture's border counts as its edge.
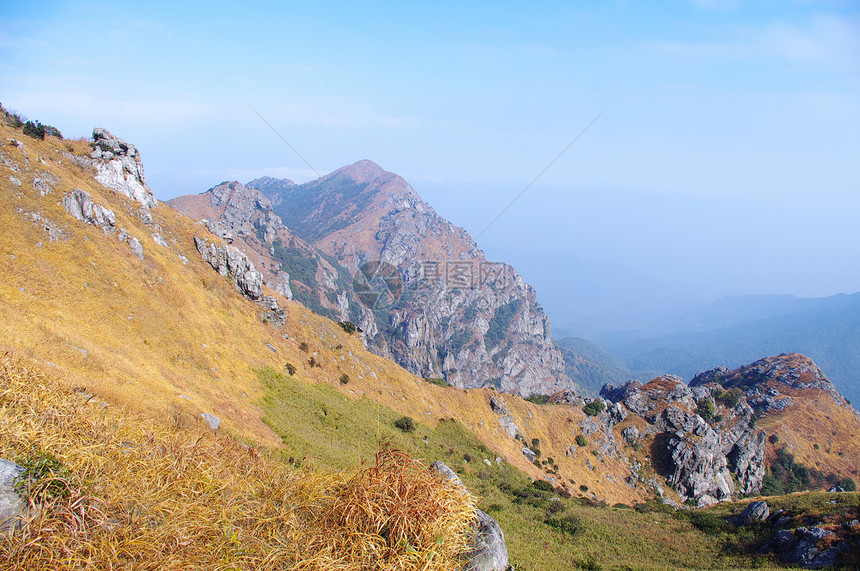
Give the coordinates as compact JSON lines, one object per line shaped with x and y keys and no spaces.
{"x":457,"y":315}
{"x":364,"y":170}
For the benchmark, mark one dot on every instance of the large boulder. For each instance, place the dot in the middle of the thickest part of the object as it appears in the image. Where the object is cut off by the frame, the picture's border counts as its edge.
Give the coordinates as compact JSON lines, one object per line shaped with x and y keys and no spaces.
{"x":756,"y":511}
{"x":14,"y":508}
{"x":488,"y":551}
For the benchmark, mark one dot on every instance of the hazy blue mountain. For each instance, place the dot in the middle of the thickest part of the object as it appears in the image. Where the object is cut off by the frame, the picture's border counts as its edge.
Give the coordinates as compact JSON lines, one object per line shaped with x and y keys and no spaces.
{"x":825,"y":329}
{"x":589,"y":366}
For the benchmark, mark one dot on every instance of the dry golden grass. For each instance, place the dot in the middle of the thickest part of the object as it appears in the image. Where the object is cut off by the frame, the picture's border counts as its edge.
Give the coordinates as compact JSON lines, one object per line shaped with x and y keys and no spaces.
{"x":155,"y":329}
{"x":139,"y":494}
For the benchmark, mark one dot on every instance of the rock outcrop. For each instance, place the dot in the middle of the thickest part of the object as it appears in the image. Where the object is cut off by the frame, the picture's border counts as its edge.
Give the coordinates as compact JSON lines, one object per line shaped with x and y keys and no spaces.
{"x":808,"y":547}
{"x":227,"y":260}
{"x":118,"y":167}
{"x":244,"y":218}
{"x":79,"y":204}
{"x":762,"y":380}
{"x":700,"y":459}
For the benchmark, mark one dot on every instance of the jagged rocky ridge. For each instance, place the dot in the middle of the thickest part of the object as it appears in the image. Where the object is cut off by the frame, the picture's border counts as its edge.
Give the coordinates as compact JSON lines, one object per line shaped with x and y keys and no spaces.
{"x":705,"y":460}
{"x":244,"y":219}
{"x":441,"y":310}
{"x":455,"y":314}
{"x":761,"y":380}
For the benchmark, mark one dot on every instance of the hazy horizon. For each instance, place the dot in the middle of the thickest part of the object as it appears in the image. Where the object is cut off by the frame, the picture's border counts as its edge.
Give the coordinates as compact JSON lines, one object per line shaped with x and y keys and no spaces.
{"x":723,"y":163}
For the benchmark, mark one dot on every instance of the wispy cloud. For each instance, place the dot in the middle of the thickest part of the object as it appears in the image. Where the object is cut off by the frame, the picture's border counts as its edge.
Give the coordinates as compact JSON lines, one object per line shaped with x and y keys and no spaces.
{"x":717,"y":5}
{"x":334,"y":111}
{"x":828,"y":42}
{"x":85,"y":103}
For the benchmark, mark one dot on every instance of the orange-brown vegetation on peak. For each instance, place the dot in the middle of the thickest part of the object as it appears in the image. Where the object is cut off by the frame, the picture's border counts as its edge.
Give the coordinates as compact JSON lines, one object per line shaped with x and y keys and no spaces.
{"x":820,"y":432}
{"x":665,"y":384}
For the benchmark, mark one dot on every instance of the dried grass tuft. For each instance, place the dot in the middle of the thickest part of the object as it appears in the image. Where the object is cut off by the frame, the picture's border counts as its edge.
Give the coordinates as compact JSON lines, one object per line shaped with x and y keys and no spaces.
{"x":143,"y":494}
{"x":398,"y":514}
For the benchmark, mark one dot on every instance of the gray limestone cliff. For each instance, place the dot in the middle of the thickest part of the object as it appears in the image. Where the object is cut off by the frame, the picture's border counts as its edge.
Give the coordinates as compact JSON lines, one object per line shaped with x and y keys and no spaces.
{"x":428,"y":297}
{"x":708,"y":459}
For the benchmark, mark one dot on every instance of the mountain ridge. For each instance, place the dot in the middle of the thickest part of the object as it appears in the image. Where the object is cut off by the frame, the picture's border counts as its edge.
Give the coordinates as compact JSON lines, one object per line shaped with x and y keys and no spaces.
{"x":447,"y":320}
{"x":119,"y":301}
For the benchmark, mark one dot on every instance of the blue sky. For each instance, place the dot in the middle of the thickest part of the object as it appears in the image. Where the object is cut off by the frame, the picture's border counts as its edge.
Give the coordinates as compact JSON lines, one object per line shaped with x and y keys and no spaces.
{"x":726,"y":160}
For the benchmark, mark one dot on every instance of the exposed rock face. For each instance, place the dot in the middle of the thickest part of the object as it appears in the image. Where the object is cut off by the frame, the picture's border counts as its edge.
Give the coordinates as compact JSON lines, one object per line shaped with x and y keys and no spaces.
{"x":227,"y":260}
{"x":243,"y":216}
{"x":79,"y":204}
{"x":488,"y":552}
{"x":506,"y":421}
{"x":803,"y":547}
{"x":119,"y":167}
{"x":456,"y":315}
{"x":568,"y":396}
{"x":698,"y":458}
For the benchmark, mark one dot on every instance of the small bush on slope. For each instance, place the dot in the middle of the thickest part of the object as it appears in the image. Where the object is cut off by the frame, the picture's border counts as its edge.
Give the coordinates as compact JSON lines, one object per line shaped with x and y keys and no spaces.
{"x":147,"y":495}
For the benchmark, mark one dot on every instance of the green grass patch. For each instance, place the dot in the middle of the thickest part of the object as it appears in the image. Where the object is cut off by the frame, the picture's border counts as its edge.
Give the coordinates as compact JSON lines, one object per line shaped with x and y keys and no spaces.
{"x":544,"y":529}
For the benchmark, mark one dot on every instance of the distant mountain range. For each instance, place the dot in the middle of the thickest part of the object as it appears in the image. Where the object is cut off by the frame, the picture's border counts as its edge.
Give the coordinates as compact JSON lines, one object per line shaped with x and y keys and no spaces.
{"x":735,"y":330}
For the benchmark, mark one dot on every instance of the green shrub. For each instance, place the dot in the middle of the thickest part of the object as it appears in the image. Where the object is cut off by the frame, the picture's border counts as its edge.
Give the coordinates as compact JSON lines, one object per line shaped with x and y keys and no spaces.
{"x":45,"y":478}
{"x":437,"y":381}
{"x":594,"y":408}
{"x":348,"y":326}
{"x":770,"y":486}
{"x":705,"y":408}
{"x":34,"y":129}
{"x":344,"y":379}
{"x":291,"y":369}
{"x":543,"y":486}
{"x":538,"y":399}
{"x":303,"y":347}
{"x":581,"y":441}
{"x":405,"y":423}
{"x":708,"y":522}
{"x":848,"y":484}
{"x":569,"y":524}
{"x":730,"y":398}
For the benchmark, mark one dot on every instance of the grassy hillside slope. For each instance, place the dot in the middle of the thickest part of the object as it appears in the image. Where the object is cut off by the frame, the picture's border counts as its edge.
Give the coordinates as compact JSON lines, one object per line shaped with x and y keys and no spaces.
{"x":166,"y":338}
